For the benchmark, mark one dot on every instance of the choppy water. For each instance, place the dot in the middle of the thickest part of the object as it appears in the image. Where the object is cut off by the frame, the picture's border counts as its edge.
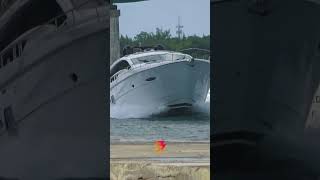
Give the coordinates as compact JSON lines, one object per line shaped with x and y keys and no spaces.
{"x":136,"y":124}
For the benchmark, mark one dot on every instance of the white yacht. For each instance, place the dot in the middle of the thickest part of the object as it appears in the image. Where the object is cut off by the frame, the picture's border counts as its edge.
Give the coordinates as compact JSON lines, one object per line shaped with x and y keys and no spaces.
{"x":52,"y":88}
{"x":158,"y":79}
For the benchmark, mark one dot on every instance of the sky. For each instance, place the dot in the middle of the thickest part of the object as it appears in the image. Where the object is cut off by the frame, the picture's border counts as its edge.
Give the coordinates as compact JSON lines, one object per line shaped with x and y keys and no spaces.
{"x":148,"y":15}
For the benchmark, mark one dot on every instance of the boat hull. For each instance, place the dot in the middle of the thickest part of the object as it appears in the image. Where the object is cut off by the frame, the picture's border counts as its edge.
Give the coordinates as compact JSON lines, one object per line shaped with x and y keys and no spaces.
{"x":58,"y":101}
{"x":165,"y":87}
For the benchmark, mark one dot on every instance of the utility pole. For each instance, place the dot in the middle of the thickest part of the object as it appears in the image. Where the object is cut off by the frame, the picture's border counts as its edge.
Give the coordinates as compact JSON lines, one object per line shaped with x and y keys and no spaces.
{"x":179,"y":28}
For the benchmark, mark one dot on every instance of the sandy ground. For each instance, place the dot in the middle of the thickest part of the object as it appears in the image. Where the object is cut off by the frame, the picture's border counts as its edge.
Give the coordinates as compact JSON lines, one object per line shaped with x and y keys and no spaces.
{"x":178,"y":161}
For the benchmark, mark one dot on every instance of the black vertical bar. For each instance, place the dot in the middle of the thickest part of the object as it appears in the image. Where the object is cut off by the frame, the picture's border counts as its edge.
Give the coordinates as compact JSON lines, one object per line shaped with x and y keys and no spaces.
{"x":10,"y":121}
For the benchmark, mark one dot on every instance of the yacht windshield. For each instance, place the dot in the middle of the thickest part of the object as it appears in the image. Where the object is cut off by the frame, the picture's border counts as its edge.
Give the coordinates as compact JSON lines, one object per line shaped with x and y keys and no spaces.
{"x":160,"y":58}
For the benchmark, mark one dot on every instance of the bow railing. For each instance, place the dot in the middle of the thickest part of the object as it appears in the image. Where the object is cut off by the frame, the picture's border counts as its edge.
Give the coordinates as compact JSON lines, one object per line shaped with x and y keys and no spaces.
{"x":198,"y":53}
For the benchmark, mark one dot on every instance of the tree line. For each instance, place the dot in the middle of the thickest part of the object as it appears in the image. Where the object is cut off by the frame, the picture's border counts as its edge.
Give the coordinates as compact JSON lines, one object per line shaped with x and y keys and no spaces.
{"x":164,"y":38}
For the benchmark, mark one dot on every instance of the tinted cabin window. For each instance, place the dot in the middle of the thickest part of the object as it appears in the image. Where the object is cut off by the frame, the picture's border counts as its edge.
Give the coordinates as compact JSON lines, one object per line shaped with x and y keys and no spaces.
{"x":17,"y":51}
{"x":11,"y":55}
{"x":147,"y":59}
{"x":23,"y":44}
{"x":121,"y":65}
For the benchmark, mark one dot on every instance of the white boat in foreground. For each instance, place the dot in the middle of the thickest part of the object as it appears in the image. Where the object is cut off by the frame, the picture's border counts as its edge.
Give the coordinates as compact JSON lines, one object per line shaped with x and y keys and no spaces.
{"x":52,"y":89}
{"x":160,"y":80}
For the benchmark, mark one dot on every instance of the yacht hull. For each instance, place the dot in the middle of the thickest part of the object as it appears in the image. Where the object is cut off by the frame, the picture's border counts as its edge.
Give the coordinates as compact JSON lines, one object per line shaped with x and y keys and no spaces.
{"x":165,"y":87}
{"x":59,"y":105}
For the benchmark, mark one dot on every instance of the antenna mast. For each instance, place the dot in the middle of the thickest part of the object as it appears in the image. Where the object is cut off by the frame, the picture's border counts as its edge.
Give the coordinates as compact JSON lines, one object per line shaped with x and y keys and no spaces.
{"x":179,"y":28}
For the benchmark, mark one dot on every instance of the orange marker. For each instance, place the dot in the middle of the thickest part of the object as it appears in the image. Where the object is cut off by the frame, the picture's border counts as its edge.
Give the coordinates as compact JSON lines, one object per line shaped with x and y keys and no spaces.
{"x":159,"y":146}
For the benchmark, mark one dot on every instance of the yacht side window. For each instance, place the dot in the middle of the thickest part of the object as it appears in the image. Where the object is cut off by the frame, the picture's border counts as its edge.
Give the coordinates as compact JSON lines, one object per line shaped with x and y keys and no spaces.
{"x":18,"y":51}
{"x":23,"y":44}
{"x":7,"y":57}
{"x":2,"y":123}
{"x":135,"y":61}
{"x":169,"y":57}
{"x":114,"y":77}
{"x":9,"y":119}
{"x":15,"y":51}
{"x":177,"y":57}
{"x":146,"y":59}
{"x":154,"y":58}
{"x":11,"y":54}
{"x":21,"y":47}
{"x":143,"y":59}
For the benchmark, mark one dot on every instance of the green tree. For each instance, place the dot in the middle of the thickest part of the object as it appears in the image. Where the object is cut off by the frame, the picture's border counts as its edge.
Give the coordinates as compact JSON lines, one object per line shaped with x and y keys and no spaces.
{"x":165,"y":38}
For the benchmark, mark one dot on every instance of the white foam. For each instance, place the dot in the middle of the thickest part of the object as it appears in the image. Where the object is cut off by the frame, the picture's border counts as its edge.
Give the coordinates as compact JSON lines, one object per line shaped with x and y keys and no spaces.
{"x":132,"y":111}
{"x":208,"y":97}
{"x":135,"y":111}
{"x":203,"y":107}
